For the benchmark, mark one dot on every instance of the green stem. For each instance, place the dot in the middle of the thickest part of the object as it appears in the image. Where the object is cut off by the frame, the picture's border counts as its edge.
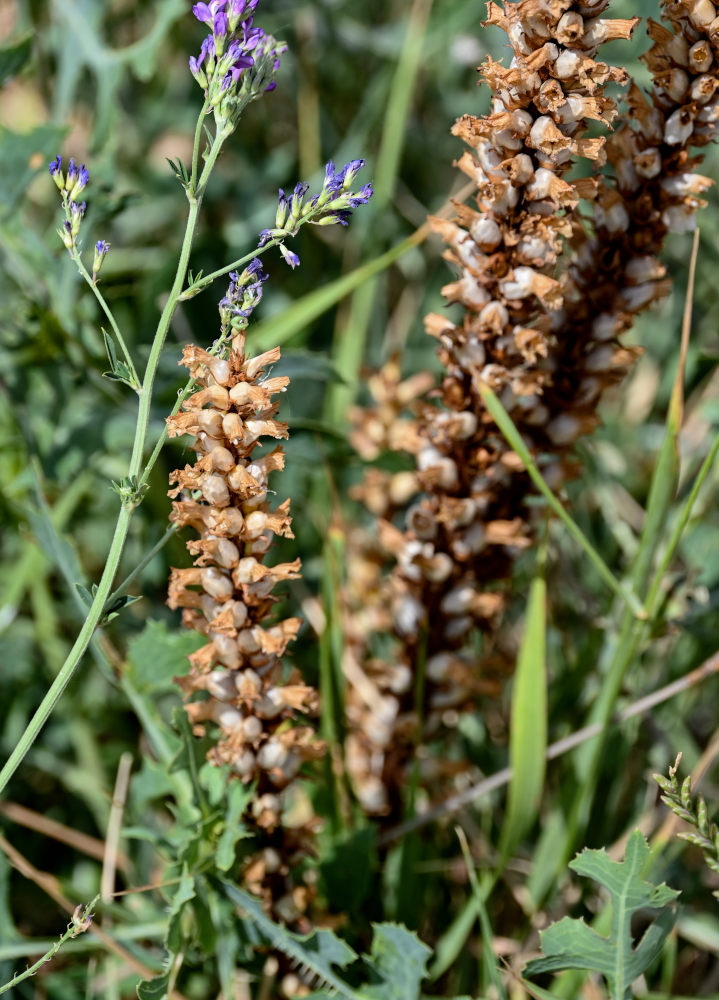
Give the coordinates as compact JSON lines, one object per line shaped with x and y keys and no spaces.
{"x":97,"y":607}
{"x":108,"y":313}
{"x":202,"y":283}
{"x":196,"y":144}
{"x":679,"y":527}
{"x":145,"y":561}
{"x":514,"y":438}
{"x":72,"y":931}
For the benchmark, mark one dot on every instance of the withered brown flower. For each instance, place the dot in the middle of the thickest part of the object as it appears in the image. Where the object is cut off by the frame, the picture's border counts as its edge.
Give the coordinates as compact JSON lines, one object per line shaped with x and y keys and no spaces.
{"x":228,"y":595}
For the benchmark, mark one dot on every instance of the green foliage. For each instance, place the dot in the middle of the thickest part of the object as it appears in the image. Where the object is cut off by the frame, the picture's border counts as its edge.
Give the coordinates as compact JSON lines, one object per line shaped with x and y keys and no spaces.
{"x":158,"y":654}
{"x":13,"y":57}
{"x":393,"y":970}
{"x":359,"y":80}
{"x":528,"y":741}
{"x":679,"y":800}
{"x":571,"y":944}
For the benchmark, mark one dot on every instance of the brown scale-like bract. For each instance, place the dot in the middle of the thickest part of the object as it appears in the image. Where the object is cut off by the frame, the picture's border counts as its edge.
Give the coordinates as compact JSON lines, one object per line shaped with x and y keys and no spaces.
{"x":245,"y":695}
{"x":544,"y":302}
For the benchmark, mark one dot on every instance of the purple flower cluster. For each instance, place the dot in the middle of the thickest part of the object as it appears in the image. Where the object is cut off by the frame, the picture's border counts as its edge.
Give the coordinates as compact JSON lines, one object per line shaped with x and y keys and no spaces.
{"x":332,"y":206}
{"x":71,"y":183}
{"x":244,"y":294}
{"x":234,"y":46}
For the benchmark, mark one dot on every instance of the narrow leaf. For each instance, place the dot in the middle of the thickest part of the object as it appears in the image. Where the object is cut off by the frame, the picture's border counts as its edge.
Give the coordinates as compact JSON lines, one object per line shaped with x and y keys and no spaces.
{"x":528,"y":732}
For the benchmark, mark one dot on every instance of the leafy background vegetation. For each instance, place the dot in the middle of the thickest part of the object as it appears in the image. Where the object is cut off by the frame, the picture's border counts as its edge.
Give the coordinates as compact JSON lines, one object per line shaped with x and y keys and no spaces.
{"x":109,"y":83}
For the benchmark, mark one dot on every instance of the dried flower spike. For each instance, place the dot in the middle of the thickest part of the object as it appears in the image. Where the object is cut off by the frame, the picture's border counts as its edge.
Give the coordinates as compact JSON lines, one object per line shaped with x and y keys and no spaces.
{"x":464,"y":531}
{"x":246,"y":697}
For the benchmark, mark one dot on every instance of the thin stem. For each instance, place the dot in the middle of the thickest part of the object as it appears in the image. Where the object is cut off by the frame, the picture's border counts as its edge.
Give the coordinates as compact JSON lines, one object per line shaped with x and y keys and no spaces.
{"x":99,"y":602}
{"x":108,"y":313}
{"x":145,"y":561}
{"x":73,"y":929}
{"x":679,"y":527}
{"x":196,"y":144}
{"x":510,"y":432}
{"x":207,"y":279}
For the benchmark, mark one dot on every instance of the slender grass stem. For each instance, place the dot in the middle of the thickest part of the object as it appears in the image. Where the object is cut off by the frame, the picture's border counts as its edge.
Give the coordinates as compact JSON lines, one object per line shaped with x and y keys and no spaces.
{"x":510,"y":432}
{"x":679,"y":527}
{"x":499,"y":779}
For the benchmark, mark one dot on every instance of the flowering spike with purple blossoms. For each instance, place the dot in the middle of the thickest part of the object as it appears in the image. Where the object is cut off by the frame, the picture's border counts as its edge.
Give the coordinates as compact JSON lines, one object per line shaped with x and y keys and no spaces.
{"x":237,"y":62}
{"x":243,"y":295}
{"x":332,"y":206}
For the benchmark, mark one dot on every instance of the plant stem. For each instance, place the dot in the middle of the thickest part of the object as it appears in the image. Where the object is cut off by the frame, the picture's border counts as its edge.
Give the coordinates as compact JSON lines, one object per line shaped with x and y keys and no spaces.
{"x":146,"y":559}
{"x":97,"y":607}
{"x":73,"y":929}
{"x":207,"y":279}
{"x":510,"y":432}
{"x":108,"y":313}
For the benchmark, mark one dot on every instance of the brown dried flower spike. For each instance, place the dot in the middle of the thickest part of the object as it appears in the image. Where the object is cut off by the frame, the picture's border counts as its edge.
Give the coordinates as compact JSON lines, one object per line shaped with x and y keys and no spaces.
{"x":228,"y":594}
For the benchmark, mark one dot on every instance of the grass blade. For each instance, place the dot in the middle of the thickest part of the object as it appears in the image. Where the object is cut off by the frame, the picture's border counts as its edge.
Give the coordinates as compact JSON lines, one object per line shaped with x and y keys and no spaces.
{"x":528,"y":731}
{"x":510,"y":432}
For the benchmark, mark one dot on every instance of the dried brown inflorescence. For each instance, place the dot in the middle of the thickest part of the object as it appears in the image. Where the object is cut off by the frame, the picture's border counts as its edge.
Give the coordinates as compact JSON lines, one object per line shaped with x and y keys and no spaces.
{"x":228,"y":596}
{"x":544,"y":302}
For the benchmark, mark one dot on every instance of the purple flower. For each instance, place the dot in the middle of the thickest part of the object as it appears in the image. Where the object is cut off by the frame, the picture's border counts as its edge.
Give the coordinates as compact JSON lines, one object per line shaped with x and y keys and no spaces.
{"x":77,"y":178}
{"x":219,"y":26}
{"x":243,"y":295}
{"x":101,"y":249}
{"x":55,"y":165}
{"x":292,"y":259}
{"x":362,"y":196}
{"x":265,"y":237}
{"x":206,"y":12}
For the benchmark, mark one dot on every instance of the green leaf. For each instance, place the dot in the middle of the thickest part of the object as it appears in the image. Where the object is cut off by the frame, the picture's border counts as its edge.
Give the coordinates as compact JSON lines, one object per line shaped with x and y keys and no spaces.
{"x":239,"y":797}
{"x":307,"y":365}
{"x":528,"y":732}
{"x":13,"y":57}
{"x":571,"y":944}
{"x":280,"y":329}
{"x":317,"y":953}
{"x":154,"y":989}
{"x":157,"y":655}
{"x":22,"y":156}
{"x":183,"y":894}
{"x":397,"y":963}
{"x":346,"y":867}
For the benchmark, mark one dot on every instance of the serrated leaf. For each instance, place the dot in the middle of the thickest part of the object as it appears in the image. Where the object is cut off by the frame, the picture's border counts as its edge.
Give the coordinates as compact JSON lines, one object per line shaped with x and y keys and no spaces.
{"x":571,"y":944}
{"x":159,"y":654}
{"x":397,"y":963}
{"x":317,"y":952}
{"x":13,"y":57}
{"x":239,"y":797}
